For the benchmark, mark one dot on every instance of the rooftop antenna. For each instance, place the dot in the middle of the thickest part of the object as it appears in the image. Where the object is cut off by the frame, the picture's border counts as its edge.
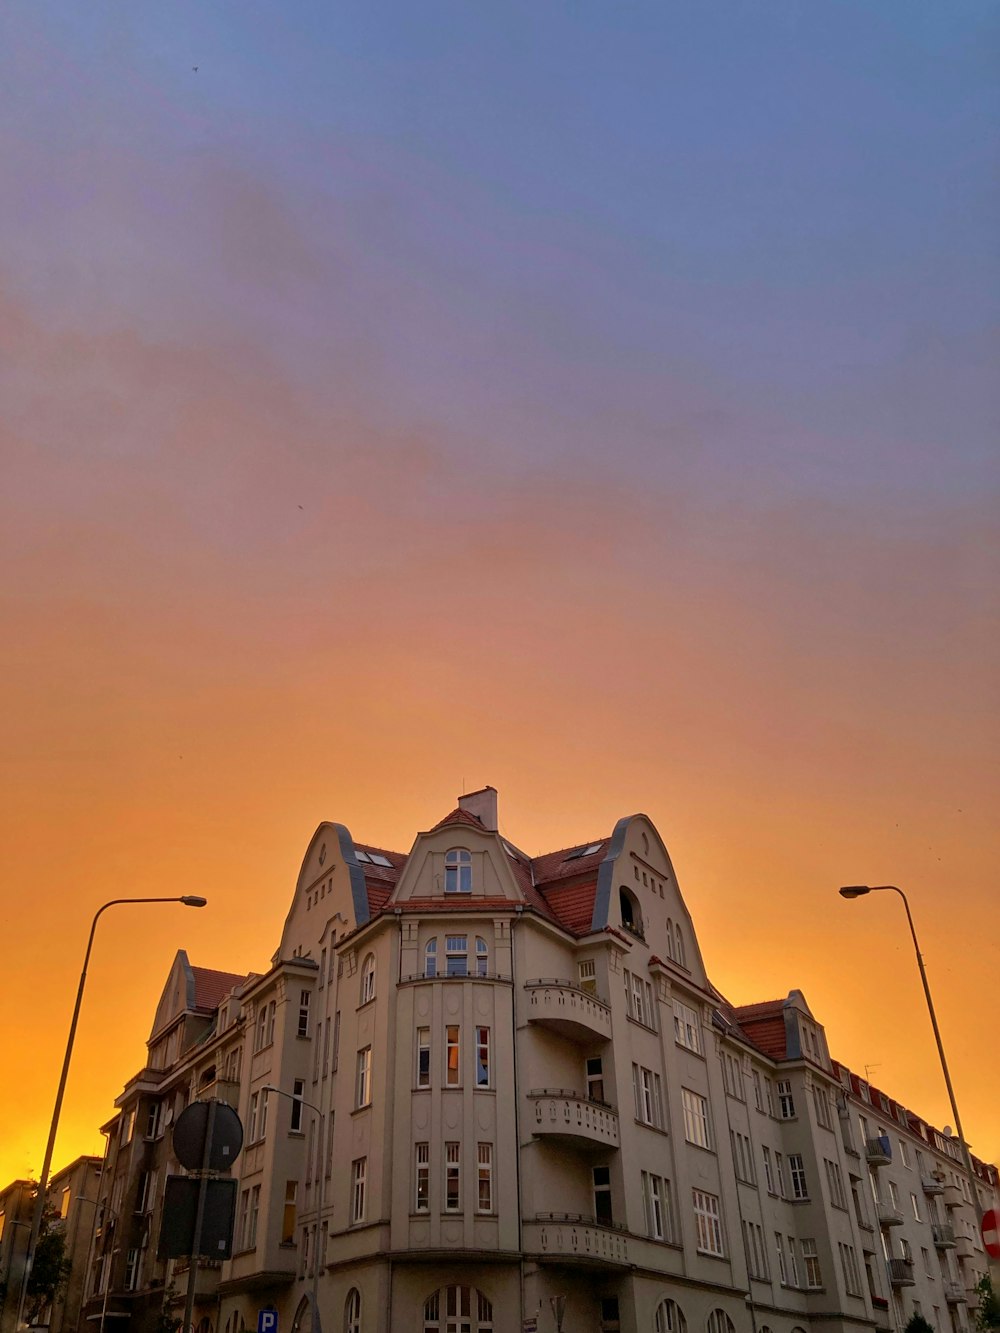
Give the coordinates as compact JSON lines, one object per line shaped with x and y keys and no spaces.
{"x":868,"y":1068}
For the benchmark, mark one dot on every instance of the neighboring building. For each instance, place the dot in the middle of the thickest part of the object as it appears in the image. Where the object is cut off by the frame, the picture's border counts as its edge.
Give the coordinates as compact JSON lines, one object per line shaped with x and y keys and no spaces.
{"x":529,"y":1091}
{"x":17,"y":1201}
{"x":73,"y":1198}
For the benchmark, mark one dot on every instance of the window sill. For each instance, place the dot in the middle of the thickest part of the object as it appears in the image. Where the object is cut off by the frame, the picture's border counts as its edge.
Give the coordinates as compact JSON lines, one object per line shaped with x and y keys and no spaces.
{"x":655,"y":1128}
{"x":641,"y":1023}
{"x":690,"y":1049}
{"x":365,"y":1003}
{"x":359,"y":1109}
{"x":712,"y":1254}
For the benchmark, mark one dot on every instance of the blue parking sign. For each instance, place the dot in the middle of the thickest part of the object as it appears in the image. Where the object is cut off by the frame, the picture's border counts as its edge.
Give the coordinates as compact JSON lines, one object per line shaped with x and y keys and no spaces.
{"x":267,"y":1321}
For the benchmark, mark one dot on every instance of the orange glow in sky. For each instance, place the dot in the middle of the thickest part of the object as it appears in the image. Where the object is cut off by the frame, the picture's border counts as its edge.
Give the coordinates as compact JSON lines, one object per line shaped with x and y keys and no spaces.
{"x":606,"y":414}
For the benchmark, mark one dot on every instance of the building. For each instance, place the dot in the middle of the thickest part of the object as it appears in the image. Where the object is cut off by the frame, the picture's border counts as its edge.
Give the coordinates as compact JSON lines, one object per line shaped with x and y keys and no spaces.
{"x":508,"y":1092}
{"x":17,"y":1201}
{"x":73,"y":1198}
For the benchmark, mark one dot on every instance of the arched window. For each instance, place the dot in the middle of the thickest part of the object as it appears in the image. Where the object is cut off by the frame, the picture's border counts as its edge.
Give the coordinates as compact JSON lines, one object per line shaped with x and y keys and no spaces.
{"x":631,"y":913}
{"x":431,"y":958}
{"x":303,"y":1321}
{"x":670,"y":1318}
{"x":458,"y":1310}
{"x":482,"y":957}
{"x":458,"y":870}
{"x":719,"y":1322}
{"x":670,"y":937}
{"x":368,"y":979}
{"x":679,"y":942}
{"x":352,"y":1311}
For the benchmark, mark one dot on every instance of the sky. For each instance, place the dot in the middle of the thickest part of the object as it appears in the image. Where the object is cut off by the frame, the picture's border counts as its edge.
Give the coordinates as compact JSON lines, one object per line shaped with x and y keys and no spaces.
{"x":597,"y":400}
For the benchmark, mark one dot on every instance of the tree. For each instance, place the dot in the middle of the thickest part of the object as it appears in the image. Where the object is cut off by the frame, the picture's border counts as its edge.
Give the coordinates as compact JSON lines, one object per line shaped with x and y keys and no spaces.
{"x":49,"y":1272}
{"x":987,"y":1314}
{"x":918,"y":1324}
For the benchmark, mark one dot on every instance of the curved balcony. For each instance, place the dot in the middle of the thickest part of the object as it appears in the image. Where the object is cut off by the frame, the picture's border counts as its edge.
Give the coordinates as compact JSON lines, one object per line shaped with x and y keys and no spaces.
{"x":901,"y":1273}
{"x":944,"y":1235}
{"x":563,"y":1116}
{"x":878,"y":1151}
{"x":568,"y":1010}
{"x":572,"y":1238}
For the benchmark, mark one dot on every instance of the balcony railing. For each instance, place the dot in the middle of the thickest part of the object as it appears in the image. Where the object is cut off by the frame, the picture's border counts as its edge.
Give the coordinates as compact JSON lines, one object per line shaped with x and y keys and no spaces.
{"x":932,"y":1185}
{"x":567,"y":1117}
{"x":888,"y":1216}
{"x":574,"y":1238}
{"x":566,"y":1009}
{"x":944,"y":1235}
{"x":901,"y":1272}
{"x":878,"y":1151}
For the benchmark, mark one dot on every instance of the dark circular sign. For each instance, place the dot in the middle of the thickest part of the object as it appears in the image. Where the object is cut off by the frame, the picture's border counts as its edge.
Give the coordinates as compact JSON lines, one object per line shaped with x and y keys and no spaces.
{"x":192,"y":1129}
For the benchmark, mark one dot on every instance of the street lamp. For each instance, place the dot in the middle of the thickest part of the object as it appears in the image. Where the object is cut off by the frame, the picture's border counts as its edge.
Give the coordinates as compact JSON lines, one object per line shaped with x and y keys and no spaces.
{"x":320,"y":1173}
{"x":189,"y":900}
{"x":858,"y":891}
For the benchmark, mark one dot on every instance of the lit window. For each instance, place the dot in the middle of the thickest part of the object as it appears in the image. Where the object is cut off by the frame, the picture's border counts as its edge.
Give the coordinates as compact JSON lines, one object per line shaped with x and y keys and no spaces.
{"x":452,"y":1066}
{"x":707,"y":1223}
{"x":687,"y":1029}
{"x":458,"y":871}
{"x":482,"y":1057}
{"x":695,"y":1118}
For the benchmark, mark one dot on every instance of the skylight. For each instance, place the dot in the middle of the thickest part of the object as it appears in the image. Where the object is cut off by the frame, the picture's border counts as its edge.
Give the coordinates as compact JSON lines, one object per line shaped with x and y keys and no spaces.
{"x":362,"y":856}
{"x":589,"y":850}
{"x":378,"y":859}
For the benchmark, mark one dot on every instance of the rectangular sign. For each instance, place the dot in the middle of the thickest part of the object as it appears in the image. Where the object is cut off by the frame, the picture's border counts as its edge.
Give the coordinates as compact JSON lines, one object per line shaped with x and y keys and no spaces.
{"x":180,"y":1207}
{"x":267,"y":1321}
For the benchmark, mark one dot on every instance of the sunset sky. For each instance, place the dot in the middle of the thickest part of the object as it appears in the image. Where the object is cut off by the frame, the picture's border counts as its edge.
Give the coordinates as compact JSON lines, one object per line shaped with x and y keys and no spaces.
{"x":598,"y":400}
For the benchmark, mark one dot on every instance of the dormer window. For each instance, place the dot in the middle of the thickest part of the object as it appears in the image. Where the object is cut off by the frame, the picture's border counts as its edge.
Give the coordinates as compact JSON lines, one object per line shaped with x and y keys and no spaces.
{"x":458,"y":870}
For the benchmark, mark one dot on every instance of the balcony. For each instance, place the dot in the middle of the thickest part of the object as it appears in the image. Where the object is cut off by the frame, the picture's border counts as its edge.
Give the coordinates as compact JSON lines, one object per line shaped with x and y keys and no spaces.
{"x":563,"y":1116}
{"x":222,"y":1089}
{"x":964,"y":1248}
{"x":953,"y":1197}
{"x":878,"y":1151}
{"x":901,"y":1272}
{"x":954,"y":1293}
{"x":572,"y":1238}
{"x":888,"y":1216}
{"x":568,"y":1010}
{"x":932,"y":1184}
{"x":944,"y":1235}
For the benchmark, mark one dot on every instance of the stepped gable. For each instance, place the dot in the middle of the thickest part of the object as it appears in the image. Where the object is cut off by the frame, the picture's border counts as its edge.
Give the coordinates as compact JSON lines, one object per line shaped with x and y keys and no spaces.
{"x":212,"y":986}
{"x":764,"y":1025}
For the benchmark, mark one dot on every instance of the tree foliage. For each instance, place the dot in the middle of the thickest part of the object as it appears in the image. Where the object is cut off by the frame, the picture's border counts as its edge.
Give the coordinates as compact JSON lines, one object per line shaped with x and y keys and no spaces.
{"x":987,"y":1313}
{"x":49,"y":1272}
{"x":918,"y":1324}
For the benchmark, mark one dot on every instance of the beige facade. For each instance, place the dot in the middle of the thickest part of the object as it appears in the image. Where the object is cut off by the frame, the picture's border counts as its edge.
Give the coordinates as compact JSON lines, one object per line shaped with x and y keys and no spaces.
{"x":516,"y":1089}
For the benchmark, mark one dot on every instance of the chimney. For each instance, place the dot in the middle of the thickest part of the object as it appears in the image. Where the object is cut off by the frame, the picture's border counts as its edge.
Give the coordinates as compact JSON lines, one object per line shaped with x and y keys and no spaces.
{"x":482,"y":804}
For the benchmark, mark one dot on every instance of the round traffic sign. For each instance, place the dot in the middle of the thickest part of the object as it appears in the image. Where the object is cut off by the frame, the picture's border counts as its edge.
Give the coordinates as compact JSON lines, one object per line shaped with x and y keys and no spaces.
{"x":191,"y":1131}
{"x":991,"y":1232}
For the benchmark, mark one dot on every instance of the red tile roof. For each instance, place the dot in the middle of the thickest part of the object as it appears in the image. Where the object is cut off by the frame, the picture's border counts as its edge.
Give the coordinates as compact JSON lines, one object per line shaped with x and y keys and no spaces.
{"x":764,"y":1025}
{"x":555,"y":865}
{"x":573,"y":905}
{"x":458,"y":816}
{"x":457,"y":903}
{"x":211,"y":987}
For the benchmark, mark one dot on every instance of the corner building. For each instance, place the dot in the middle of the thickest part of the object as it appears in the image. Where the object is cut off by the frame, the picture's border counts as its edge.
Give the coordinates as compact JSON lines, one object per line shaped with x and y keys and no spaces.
{"x":513,"y":1087}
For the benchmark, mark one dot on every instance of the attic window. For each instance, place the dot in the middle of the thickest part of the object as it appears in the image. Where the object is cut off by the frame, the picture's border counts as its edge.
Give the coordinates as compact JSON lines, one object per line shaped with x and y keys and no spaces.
{"x":589,"y":850}
{"x":458,"y":870}
{"x":378,"y":859}
{"x":362,"y":856}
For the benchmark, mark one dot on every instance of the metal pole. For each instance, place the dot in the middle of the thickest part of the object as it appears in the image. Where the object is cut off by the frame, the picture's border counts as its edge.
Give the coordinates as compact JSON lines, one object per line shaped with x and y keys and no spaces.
{"x":43,"y":1179}
{"x":199,"y":1218}
{"x":320,"y":1174}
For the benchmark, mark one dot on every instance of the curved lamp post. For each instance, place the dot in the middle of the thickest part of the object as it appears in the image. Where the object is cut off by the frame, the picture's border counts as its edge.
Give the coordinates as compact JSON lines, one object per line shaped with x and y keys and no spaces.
{"x":858,"y":891}
{"x":320,"y":1173}
{"x":189,"y":900}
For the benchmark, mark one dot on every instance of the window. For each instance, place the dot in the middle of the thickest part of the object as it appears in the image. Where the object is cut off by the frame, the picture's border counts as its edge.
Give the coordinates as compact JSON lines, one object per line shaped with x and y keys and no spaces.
{"x":648,"y":1096}
{"x":452,"y":1177}
{"x":768,"y":1173}
{"x":484,"y":1181}
{"x":482,"y":1057}
{"x":779,"y":1248}
{"x":127,"y":1125}
{"x":707,"y":1223}
{"x":335,"y":1054}
{"x":797,"y":1171}
{"x":144,"y":1200}
{"x":679,"y":947}
{"x":779,"y":1173}
{"x":769,"y":1095}
{"x":793,"y":1263}
{"x":849,"y":1267}
{"x":288,"y":1216}
{"x":458,"y":871}
{"x":153,"y":1116}
{"x":254,"y":1215}
{"x":904,"y":1151}
{"x":482,"y":957}
{"x":894,"y":1195}
{"x":457,"y":955}
{"x":732,"y":1076}
{"x":631,"y":913}
{"x":753,"y":1236}
{"x":786,"y":1102}
{"x":466,"y":1310}
{"x":821,"y":1100}
{"x":916,"y":1208}
{"x":639,"y":999}
{"x":452,"y":1067}
{"x":422,"y":1177}
{"x":430,"y":958}
{"x":587,"y":976}
{"x":810,"y":1257}
{"x":602,"y":1195}
{"x":669,"y":1318}
{"x":687,"y":1030}
{"x":656,"y":1203}
{"x":835,"y":1181}
{"x":304,"y":999}
{"x":359,"y":1174}
{"x":363,"y":1086}
{"x":368,"y":979}
{"x":352,"y":1311}
{"x":423,"y":1057}
{"x":298,"y":1092}
{"x":132,"y":1270}
{"x":595,"y":1079}
{"x":719,"y":1322}
{"x":743,"y":1157}
{"x":695,"y":1118}
{"x":243,"y":1223}
{"x":257,"y":1129}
